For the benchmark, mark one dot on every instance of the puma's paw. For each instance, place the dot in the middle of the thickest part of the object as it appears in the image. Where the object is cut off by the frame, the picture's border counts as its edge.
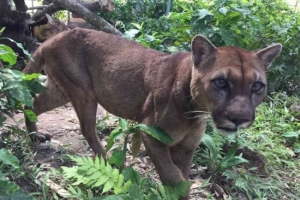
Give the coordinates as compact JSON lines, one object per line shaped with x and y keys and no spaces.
{"x":40,"y":137}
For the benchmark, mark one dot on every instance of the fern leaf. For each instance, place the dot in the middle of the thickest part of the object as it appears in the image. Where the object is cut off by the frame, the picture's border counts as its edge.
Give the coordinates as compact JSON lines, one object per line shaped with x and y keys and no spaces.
{"x":101,"y":181}
{"x":127,"y":186}
{"x":118,"y":190}
{"x":96,"y":175}
{"x":108,"y":169}
{"x":108,"y":185}
{"x":91,"y":171}
{"x":84,"y":168}
{"x":70,"y":172}
{"x":93,"y":178}
{"x":97,"y":162}
{"x":115,"y":175}
{"x":102,"y":164}
{"x":77,"y":159}
{"x":80,"y":180}
{"x":120,"y":181}
{"x":90,"y":161}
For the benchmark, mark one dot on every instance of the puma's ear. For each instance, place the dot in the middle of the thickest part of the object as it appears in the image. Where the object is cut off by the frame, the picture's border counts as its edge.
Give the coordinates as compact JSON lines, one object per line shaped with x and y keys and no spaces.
{"x":50,"y":19}
{"x":201,"y":48}
{"x":267,"y":55}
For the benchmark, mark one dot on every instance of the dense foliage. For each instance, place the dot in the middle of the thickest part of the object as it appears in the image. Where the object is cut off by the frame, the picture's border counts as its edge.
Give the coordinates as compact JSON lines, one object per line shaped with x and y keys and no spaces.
{"x":251,"y":24}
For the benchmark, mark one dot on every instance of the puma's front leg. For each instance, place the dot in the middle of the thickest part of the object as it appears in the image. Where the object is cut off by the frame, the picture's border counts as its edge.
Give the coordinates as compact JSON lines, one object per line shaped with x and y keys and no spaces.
{"x":160,"y":155}
{"x":182,"y":153}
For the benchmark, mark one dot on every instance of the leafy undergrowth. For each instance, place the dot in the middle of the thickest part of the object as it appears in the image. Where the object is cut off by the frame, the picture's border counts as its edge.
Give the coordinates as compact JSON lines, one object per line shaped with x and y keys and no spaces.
{"x":261,"y":162}
{"x":271,"y":146}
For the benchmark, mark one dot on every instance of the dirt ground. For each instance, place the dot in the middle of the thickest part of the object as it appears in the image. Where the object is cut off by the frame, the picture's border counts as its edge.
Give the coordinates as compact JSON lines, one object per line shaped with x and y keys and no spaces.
{"x":62,"y":124}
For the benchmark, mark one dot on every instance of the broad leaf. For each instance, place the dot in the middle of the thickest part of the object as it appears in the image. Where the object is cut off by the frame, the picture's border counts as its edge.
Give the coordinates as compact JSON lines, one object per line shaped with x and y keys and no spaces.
{"x":112,"y":137}
{"x":20,"y":46}
{"x":156,"y":133}
{"x":291,"y":134}
{"x":123,"y":124}
{"x":9,"y":159}
{"x":7,"y":54}
{"x":117,"y":158}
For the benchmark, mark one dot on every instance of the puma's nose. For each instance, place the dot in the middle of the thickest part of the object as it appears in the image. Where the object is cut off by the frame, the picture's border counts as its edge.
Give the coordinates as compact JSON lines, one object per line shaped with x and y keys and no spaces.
{"x":238,"y":120}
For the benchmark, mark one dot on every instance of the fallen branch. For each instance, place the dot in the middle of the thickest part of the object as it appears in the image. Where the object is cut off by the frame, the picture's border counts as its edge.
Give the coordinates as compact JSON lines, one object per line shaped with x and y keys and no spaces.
{"x":56,"y":188}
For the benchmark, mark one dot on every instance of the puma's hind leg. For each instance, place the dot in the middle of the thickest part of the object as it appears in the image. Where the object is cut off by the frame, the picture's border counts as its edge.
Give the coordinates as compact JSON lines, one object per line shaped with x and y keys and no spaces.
{"x":85,"y":106}
{"x":49,"y":99}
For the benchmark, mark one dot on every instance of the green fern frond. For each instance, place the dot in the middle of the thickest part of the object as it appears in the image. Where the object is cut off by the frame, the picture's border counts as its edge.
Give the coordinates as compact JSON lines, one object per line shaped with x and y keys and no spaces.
{"x":96,"y":173}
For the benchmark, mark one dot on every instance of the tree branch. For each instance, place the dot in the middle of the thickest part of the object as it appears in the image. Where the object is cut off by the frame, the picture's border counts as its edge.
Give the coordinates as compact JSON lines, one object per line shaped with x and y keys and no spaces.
{"x":20,"y":5}
{"x":50,"y":9}
{"x":87,"y":15}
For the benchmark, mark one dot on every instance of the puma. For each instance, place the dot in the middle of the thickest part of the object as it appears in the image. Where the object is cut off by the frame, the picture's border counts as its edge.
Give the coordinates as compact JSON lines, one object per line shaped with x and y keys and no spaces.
{"x":172,"y":91}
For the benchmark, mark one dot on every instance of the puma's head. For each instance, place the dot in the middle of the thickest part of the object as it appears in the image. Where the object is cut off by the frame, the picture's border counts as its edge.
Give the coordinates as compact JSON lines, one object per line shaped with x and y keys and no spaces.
{"x":43,"y":30}
{"x":229,"y":82}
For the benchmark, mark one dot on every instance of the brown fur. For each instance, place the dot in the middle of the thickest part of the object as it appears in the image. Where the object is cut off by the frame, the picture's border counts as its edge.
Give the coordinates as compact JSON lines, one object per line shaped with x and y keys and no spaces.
{"x":87,"y":67}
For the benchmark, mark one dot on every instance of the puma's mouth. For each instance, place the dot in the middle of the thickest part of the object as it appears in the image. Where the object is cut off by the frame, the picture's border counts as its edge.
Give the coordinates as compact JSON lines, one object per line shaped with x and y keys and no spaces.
{"x":227,"y":130}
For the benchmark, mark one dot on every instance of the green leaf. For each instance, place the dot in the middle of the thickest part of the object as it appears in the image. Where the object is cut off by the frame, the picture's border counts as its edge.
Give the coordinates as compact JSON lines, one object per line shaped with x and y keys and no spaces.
{"x":108,"y":185}
{"x":223,"y":10}
{"x":9,"y":159}
{"x":231,"y":152}
{"x":31,"y":115}
{"x":203,"y":13}
{"x":130,"y":34}
{"x":291,"y":134}
{"x":135,"y":192}
{"x":123,"y":124}
{"x":118,"y":157}
{"x":112,"y":137}
{"x":1,"y":30}
{"x":296,"y":148}
{"x":127,"y":186}
{"x":19,"y":194}
{"x":130,"y":173}
{"x":182,"y":188}
{"x":115,"y":175}
{"x":156,"y":133}
{"x":101,"y":181}
{"x":231,"y":162}
{"x":138,"y":26}
{"x":210,"y":144}
{"x":20,"y":46}
{"x":7,"y":54}
{"x":21,"y":94}
{"x":97,"y":162}
{"x":120,"y":180}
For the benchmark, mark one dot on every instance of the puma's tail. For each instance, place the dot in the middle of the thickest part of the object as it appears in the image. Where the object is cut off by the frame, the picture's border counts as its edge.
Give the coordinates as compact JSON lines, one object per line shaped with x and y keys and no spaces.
{"x":36,"y":65}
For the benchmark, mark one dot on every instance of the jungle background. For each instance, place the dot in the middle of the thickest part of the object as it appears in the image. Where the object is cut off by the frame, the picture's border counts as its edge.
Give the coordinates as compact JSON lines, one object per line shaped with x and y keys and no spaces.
{"x":261,"y":162}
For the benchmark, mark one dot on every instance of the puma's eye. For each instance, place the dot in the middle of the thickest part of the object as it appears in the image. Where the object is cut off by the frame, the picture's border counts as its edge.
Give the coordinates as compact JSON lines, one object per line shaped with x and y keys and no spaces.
{"x":220,"y":83}
{"x":257,"y":86}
